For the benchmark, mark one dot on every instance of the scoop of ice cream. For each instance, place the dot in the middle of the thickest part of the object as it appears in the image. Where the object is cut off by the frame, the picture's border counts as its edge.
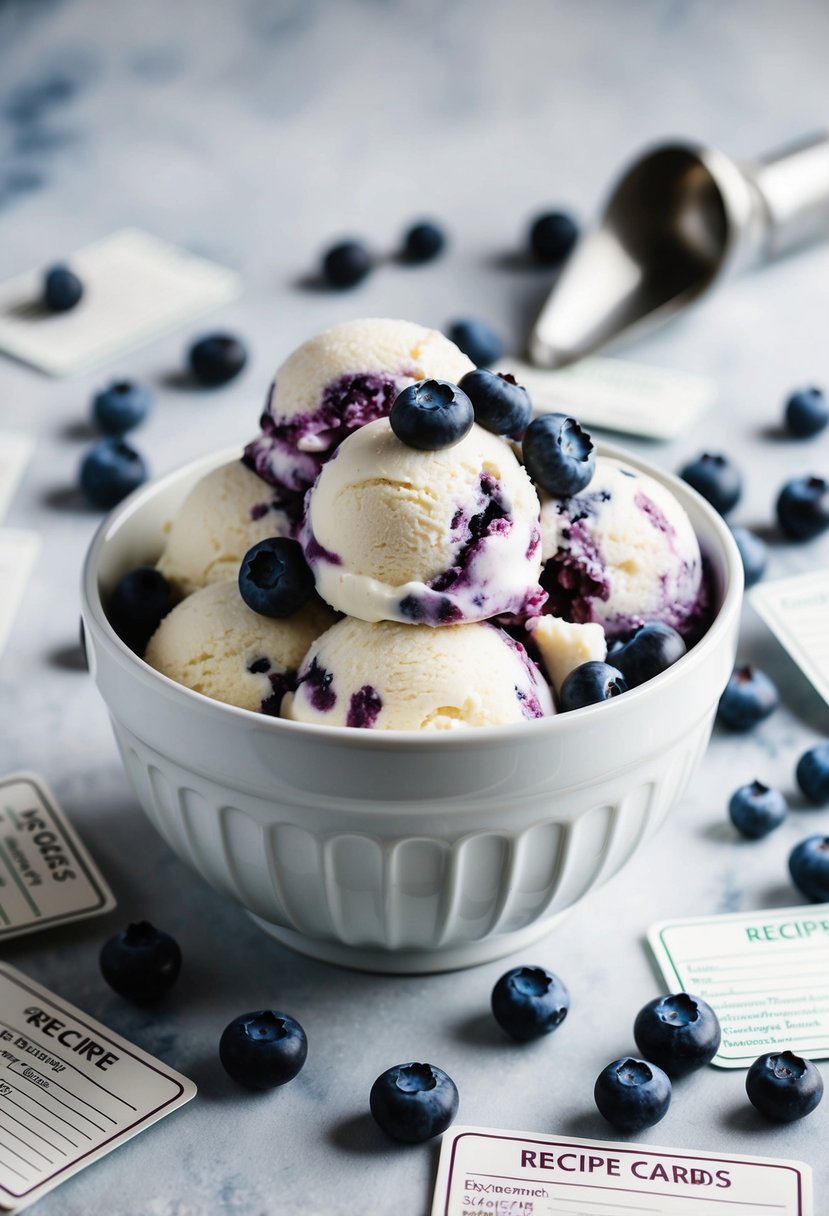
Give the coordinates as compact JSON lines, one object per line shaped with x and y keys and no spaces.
{"x":407,"y":677}
{"x":394,"y":533}
{"x":227,"y":512}
{"x":338,"y":381}
{"x":213,"y":643}
{"x":621,"y":552}
{"x":564,"y":645}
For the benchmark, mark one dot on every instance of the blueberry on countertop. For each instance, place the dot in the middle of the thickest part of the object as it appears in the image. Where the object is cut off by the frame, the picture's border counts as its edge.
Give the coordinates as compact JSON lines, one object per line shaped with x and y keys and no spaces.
{"x":501,"y":404}
{"x":809,"y":868}
{"x":423,"y":242}
{"x":755,"y":810}
{"x":812,"y":774}
{"x":754,"y":554}
{"x":274,"y":577}
{"x":120,"y":406}
{"x":414,"y":1102}
{"x":806,"y":413}
{"x":528,"y":1002}
{"x":749,"y":697}
{"x":141,"y":963}
{"x":650,"y":650}
{"x":552,"y":236}
{"x":558,"y":455}
{"x":632,"y":1094}
{"x":678,"y":1032}
{"x":263,"y":1049}
{"x":431,"y":414}
{"x":783,"y":1086}
{"x":140,"y":600}
{"x":590,"y":683}
{"x":109,"y":471}
{"x":62,"y":289}
{"x":216,"y":358}
{"x":803,"y":507}
{"x":477,"y":341}
{"x":346,"y":264}
{"x":716,"y":478}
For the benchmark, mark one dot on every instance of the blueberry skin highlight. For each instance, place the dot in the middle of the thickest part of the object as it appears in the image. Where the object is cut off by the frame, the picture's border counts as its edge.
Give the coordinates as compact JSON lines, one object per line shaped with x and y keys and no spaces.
{"x":590,"y":683}
{"x":755,"y":810}
{"x":528,"y":1002}
{"x":121,"y":406}
{"x":274,"y":578}
{"x":806,"y":413}
{"x":551,"y":237}
{"x":558,"y":455}
{"x":754,"y":554}
{"x":809,"y":868}
{"x":749,"y":697}
{"x":62,"y":289}
{"x":110,"y":471}
{"x":346,"y":264}
{"x":141,"y":963}
{"x":783,"y":1086}
{"x":423,"y":242}
{"x":632,"y":1094}
{"x":652,"y":649}
{"x":414,"y":1102}
{"x":216,"y":358}
{"x":431,"y":414}
{"x":812,"y":774}
{"x":680,"y":1033}
{"x":263,"y":1049}
{"x":477,"y":341}
{"x":140,"y":601}
{"x":501,"y":404}
{"x":803,"y":507}
{"x":716,"y":478}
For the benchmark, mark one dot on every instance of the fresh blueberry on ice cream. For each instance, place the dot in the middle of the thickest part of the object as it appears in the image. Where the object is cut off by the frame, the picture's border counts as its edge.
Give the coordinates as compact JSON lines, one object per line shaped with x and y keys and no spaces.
{"x":396,"y":534}
{"x":338,"y":381}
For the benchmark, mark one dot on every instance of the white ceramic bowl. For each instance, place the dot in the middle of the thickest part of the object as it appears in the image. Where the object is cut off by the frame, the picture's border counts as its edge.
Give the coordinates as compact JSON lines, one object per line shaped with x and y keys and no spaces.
{"x":401,"y":851}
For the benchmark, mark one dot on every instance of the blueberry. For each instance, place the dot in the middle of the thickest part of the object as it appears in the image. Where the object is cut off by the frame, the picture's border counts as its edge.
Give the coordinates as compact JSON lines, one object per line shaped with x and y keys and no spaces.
{"x":477,"y":341}
{"x":809,"y":868}
{"x":632,"y":1094}
{"x":501,"y":405}
{"x":756,"y":810}
{"x":413,"y":1102}
{"x":528,"y":1002}
{"x":552,"y":237}
{"x":139,"y":602}
{"x":807,"y":413}
{"x":110,"y":470}
{"x":216,"y":358}
{"x":783,"y":1087}
{"x":263,"y":1049}
{"x":590,"y":683}
{"x":653,"y":648}
{"x":749,"y":697}
{"x":62,"y":289}
{"x":679,"y":1032}
{"x":346,"y":264}
{"x":423,"y":242}
{"x":716,"y":478}
{"x":813,"y":774}
{"x":558,"y":455}
{"x":121,"y":406}
{"x":431,"y":414}
{"x":754,"y":554}
{"x":803,"y":507}
{"x":274,"y":578}
{"x":141,"y":963}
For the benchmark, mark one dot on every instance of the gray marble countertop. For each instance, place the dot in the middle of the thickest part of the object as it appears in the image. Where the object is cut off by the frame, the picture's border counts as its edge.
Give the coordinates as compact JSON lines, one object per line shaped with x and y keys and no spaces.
{"x":255,"y":133}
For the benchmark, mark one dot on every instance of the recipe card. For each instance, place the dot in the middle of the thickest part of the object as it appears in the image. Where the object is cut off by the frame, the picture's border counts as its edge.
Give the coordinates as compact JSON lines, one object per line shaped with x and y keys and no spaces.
{"x":512,"y":1174}
{"x":796,"y":610}
{"x":15,"y":450}
{"x":70,"y":1090}
{"x":764,"y":974}
{"x":136,"y":287}
{"x":47,"y":877}
{"x":18,"y":553}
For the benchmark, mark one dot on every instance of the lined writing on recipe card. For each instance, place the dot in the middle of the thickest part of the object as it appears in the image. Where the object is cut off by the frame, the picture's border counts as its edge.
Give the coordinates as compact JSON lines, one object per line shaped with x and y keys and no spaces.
{"x":797,"y":610}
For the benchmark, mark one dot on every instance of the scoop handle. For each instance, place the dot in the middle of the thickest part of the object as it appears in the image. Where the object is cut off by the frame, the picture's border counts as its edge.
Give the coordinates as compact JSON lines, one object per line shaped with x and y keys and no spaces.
{"x":793,"y":190}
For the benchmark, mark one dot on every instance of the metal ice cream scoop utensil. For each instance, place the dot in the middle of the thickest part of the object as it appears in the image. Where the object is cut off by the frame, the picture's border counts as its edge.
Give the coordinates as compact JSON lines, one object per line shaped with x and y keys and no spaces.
{"x":681,"y":218}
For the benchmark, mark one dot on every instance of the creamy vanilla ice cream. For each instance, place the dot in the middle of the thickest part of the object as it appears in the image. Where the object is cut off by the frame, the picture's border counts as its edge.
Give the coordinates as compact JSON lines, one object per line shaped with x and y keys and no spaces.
{"x":565,"y":645}
{"x":389,"y":676}
{"x":227,"y":512}
{"x":213,"y":643}
{"x":394,"y":533}
{"x":620,"y":553}
{"x":338,"y":381}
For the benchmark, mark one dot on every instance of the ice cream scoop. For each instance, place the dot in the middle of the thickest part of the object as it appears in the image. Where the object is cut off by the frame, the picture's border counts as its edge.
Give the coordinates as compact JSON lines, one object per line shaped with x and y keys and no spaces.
{"x":389,"y":676}
{"x":394,"y":533}
{"x":338,"y":381}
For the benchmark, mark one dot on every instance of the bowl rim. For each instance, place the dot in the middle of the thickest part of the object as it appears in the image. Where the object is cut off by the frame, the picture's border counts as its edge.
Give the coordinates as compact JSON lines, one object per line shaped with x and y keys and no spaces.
{"x":557,"y":724}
